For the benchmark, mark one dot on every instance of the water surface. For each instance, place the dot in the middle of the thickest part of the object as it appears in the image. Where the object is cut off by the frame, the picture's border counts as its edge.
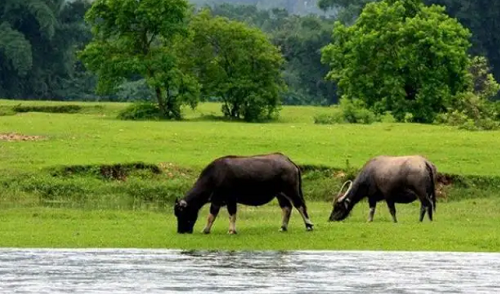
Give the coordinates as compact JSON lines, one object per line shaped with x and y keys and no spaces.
{"x":173,"y":271}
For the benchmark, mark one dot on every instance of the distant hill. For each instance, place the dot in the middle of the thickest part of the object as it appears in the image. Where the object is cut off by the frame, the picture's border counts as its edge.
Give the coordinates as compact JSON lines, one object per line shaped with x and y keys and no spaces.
{"x":300,"y":7}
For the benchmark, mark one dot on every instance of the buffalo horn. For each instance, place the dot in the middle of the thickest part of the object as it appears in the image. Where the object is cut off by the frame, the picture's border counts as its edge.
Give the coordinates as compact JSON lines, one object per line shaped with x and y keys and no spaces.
{"x":342,"y":188}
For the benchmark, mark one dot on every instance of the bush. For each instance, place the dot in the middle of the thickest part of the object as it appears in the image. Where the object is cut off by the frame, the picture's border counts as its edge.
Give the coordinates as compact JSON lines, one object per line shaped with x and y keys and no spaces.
{"x":471,"y":112}
{"x":387,"y":117}
{"x":329,"y":118}
{"x":355,"y":111}
{"x":474,"y":110}
{"x":48,"y":108}
{"x":6,"y":111}
{"x":350,"y":112}
{"x":141,"y":111}
{"x":461,"y":120}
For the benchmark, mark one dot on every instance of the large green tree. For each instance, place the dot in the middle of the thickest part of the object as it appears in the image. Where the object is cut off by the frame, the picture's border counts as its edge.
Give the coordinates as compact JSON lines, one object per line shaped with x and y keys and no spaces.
{"x":134,"y":39}
{"x":236,"y":64}
{"x":479,"y":16}
{"x":401,"y":56}
{"x":300,"y":39}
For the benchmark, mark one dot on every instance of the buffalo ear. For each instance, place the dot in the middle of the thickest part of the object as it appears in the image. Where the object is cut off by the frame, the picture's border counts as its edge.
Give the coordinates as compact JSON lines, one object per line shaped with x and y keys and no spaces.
{"x":183,"y":203}
{"x":176,"y":200}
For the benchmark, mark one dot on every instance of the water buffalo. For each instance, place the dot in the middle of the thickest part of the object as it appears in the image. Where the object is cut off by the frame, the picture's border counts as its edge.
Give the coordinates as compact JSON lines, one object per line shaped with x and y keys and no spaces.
{"x":395,"y":179}
{"x":249,"y":180}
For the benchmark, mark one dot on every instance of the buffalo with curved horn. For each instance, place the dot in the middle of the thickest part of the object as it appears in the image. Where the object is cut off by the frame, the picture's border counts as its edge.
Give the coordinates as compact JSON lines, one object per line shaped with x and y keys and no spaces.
{"x":395,"y":179}
{"x":249,"y":180}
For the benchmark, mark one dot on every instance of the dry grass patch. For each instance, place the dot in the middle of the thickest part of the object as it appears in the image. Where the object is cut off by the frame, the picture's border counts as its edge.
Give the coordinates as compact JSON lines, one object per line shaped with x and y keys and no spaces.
{"x":14,"y":137}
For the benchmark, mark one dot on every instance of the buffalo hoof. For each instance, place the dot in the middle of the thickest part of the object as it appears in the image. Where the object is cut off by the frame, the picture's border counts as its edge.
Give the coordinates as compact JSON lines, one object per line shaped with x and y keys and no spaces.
{"x":206,"y":231}
{"x":283,"y":229}
{"x":232,"y":232}
{"x":309,"y":228}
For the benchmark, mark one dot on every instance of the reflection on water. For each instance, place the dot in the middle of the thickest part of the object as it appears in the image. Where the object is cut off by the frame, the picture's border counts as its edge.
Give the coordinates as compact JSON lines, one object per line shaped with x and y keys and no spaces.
{"x":172,"y":271}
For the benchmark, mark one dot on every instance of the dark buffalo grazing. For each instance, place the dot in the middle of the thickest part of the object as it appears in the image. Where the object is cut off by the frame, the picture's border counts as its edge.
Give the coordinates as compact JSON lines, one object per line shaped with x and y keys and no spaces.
{"x":249,"y":180}
{"x":395,"y":179}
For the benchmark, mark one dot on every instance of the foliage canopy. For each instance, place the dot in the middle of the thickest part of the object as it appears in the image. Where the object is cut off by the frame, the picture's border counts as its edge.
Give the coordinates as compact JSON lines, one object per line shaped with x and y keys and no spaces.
{"x":37,"y":46}
{"x":401,"y":56}
{"x":236,"y":64}
{"x":135,"y":39}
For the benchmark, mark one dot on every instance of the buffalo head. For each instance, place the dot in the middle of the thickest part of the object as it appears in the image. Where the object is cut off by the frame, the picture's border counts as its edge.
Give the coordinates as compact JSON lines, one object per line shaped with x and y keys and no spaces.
{"x":341,"y":204}
{"x":186,"y":216}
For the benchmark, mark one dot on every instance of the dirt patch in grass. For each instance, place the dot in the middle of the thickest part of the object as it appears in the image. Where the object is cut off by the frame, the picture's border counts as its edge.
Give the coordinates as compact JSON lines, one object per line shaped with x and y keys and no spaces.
{"x":14,"y":137}
{"x":172,"y":170}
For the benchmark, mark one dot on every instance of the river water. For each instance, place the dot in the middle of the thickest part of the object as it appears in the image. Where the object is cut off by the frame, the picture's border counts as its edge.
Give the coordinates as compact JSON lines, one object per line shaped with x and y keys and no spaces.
{"x":173,"y":271}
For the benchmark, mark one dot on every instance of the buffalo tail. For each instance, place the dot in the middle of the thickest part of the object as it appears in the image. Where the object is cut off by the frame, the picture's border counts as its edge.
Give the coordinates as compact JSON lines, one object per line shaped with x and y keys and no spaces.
{"x":432,"y":192}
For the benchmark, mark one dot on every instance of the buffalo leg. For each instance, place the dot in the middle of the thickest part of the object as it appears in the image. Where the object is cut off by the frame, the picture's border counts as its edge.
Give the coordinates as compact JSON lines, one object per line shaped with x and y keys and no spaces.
{"x":426,"y":205}
{"x":214,"y":211}
{"x":303,"y":211}
{"x":392,"y":210}
{"x":286,"y":208}
{"x":373,"y":205}
{"x":422,"y":211}
{"x":430,"y":211}
{"x":231,"y":209}
{"x":300,"y":205}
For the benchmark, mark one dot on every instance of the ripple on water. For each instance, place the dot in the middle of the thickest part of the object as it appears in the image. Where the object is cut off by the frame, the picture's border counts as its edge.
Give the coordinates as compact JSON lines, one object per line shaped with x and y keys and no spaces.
{"x":171,"y":271}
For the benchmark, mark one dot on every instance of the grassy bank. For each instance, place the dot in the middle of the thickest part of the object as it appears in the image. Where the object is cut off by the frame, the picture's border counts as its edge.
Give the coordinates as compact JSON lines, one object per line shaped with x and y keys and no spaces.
{"x":85,"y":179}
{"x":459,"y":226}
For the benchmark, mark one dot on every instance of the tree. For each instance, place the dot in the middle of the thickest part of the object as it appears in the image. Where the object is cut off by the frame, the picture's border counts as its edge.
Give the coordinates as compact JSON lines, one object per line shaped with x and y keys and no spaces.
{"x":401,"y":56}
{"x":37,"y":46}
{"x":347,"y":10}
{"x":300,"y":39}
{"x":479,"y":16}
{"x":134,"y":39}
{"x":236,"y":64}
{"x":298,"y":7}
{"x":474,"y":109}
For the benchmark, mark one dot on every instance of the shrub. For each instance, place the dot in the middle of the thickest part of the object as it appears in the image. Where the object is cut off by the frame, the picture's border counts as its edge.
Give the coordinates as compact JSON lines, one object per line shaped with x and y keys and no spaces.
{"x":350,"y":112}
{"x":329,"y":118}
{"x":355,"y":111}
{"x":48,"y":108}
{"x":6,"y":111}
{"x":471,"y":112}
{"x":474,"y":110}
{"x":141,"y":111}
{"x":387,"y":117}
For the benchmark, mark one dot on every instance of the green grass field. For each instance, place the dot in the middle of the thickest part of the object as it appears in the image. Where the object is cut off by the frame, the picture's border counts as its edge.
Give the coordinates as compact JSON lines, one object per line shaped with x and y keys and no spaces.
{"x":98,"y":138}
{"x":459,"y":226}
{"x":39,"y":209}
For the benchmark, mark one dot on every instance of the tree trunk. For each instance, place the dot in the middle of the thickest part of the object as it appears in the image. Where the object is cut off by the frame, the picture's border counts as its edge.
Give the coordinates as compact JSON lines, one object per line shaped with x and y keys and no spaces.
{"x":172,"y":108}
{"x":161,"y":102}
